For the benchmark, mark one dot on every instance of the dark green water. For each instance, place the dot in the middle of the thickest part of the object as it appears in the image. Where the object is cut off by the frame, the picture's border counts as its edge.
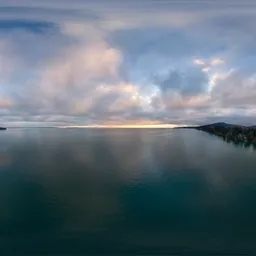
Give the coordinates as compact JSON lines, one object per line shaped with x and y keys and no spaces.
{"x":85,"y":191}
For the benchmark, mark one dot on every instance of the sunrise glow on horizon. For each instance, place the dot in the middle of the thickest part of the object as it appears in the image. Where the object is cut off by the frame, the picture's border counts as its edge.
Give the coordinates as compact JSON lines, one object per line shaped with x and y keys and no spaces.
{"x":159,"y":126}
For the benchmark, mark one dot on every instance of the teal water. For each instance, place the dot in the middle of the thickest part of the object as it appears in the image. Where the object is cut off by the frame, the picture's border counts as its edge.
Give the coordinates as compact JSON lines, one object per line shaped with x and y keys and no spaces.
{"x":126,"y":191}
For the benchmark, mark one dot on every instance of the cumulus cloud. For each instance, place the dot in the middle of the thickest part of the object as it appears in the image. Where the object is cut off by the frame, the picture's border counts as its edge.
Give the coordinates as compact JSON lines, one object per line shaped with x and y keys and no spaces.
{"x":236,"y":89}
{"x":71,"y":79}
{"x":216,"y":61}
{"x":155,"y":62}
{"x":200,"y":62}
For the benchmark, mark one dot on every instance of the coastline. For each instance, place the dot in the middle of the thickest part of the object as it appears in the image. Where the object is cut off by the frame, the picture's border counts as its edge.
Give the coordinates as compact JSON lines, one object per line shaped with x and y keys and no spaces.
{"x":236,"y":134}
{"x":228,"y":132}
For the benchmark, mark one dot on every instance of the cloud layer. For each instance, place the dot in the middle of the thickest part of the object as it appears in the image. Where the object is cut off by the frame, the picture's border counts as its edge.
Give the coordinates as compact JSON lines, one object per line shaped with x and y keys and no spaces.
{"x":107,"y":62}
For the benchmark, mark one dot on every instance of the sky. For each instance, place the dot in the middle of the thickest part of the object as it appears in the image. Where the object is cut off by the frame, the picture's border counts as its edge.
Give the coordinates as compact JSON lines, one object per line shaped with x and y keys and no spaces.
{"x":136,"y":62}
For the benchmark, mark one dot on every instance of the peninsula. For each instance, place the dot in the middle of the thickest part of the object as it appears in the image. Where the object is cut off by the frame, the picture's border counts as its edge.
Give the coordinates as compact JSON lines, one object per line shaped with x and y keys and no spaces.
{"x":229,"y":132}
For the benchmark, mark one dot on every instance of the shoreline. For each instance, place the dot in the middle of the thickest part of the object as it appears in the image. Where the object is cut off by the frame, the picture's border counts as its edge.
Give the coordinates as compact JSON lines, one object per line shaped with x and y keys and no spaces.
{"x":236,"y":134}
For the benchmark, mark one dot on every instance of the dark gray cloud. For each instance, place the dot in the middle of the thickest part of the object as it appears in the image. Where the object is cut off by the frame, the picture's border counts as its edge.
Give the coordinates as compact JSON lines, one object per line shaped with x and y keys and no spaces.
{"x":27,"y":25}
{"x":46,"y":12}
{"x":172,"y":81}
{"x":190,"y":82}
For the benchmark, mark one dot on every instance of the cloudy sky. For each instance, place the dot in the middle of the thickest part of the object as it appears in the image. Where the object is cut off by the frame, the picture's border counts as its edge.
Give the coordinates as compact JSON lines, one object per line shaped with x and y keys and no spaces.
{"x":85,"y":62}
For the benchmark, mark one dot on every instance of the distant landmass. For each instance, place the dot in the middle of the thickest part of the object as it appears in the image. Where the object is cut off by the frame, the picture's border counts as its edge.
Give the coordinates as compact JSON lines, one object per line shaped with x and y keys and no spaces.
{"x":2,"y":129}
{"x":229,"y":132}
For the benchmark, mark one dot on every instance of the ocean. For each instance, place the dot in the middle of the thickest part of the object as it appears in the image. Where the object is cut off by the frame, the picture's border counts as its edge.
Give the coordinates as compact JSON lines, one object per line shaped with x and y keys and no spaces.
{"x":125,"y":192}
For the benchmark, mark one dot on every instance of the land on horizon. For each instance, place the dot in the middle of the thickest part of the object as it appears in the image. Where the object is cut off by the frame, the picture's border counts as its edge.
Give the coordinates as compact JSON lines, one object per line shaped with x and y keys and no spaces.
{"x":229,"y":132}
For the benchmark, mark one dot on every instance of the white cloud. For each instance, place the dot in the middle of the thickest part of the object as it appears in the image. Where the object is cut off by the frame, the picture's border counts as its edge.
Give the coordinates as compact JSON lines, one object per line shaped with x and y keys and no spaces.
{"x":216,"y":61}
{"x":235,"y":89}
{"x":76,"y":75}
{"x":216,"y":77}
{"x":199,"y":62}
{"x":206,"y":69}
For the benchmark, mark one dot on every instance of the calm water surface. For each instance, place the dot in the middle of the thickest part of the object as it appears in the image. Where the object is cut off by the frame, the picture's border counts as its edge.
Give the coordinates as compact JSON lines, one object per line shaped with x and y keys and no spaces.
{"x":126,"y":191}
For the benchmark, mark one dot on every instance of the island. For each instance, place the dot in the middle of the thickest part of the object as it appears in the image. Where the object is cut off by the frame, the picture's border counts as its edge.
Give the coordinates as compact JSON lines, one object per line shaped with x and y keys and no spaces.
{"x":229,"y":132}
{"x":2,"y":129}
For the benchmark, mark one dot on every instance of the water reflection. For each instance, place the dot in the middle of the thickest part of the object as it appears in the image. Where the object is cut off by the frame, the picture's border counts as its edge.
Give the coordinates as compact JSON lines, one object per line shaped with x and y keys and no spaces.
{"x":106,"y":191}
{"x":246,"y":145}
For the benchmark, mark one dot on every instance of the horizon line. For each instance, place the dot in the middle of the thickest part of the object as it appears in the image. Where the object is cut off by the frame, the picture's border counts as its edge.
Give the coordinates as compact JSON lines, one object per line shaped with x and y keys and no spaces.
{"x":120,"y":126}
{"x":155,"y":126}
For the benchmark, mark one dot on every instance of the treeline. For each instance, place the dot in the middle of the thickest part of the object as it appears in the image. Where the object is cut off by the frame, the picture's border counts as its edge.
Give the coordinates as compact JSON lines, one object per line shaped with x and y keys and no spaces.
{"x":239,"y":134}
